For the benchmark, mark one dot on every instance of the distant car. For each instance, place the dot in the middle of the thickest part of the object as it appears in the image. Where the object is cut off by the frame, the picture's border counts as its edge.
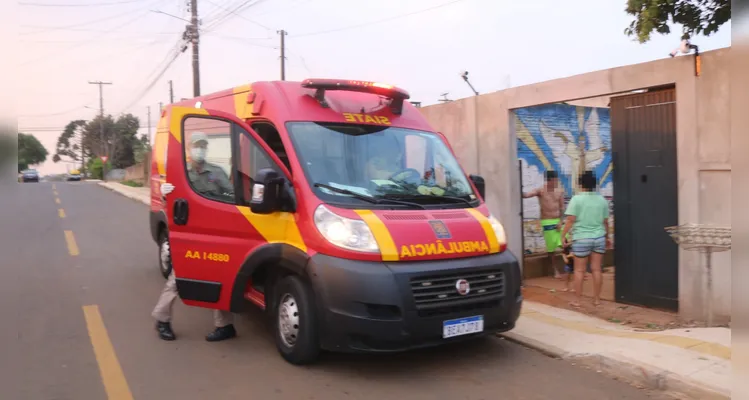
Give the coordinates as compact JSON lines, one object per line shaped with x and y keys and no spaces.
{"x":74,"y":175}
{"x":30,"y":175}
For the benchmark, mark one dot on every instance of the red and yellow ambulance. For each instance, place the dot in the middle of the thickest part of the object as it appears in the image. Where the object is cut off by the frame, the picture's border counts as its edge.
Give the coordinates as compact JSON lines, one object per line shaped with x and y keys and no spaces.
{"x":346,"y":217}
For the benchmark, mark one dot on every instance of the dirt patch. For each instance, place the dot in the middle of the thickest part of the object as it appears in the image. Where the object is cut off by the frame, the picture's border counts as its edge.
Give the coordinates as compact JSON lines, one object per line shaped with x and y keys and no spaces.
{"x":632,"y":316}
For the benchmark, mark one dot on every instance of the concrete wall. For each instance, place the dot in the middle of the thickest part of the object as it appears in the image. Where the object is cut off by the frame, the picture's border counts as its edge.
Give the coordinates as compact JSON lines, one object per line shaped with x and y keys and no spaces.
{"x":548,"y":139}
{"x":703,"y":147}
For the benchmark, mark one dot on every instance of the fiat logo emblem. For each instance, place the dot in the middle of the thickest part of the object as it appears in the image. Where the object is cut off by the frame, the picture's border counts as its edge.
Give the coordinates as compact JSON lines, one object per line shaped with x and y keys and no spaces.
{"x":462,"y":286}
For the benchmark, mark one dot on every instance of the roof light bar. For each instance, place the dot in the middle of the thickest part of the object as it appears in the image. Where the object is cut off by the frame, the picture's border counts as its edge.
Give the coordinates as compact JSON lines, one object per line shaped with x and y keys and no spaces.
{"x":396,"y":95}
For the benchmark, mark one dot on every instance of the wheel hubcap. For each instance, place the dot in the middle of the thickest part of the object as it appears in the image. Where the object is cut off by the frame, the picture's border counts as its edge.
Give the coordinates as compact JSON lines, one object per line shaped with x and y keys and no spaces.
{"x":165,"y":255}
{"x":288,"y":319}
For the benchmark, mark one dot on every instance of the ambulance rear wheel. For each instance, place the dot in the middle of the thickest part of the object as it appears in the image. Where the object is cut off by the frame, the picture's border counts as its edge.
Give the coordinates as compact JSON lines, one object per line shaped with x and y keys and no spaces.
{"x":295,"y":321}
{"x":165,"y":254}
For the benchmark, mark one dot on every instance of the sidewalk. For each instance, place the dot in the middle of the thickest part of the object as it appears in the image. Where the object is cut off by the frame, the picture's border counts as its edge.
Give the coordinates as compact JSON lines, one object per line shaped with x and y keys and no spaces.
{"x":691,"y":363}
{"x":141,"y":194}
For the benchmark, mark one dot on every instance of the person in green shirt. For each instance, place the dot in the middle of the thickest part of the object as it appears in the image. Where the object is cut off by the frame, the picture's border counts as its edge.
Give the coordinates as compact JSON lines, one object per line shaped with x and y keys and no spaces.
{"x":588,"y":219}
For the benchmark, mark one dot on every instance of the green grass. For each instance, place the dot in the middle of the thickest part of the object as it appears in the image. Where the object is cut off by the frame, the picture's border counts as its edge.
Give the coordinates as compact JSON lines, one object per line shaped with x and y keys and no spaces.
{"x":132,"y":183}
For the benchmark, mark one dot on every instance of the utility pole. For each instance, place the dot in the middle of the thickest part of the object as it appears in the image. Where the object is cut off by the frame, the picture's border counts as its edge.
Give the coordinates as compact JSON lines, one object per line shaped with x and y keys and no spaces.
{"x":149,"y":123}
{"x":283,"y":34}
{"x":193,"y":35}
{"x":171,"y":93}
{"x":161,"y":107}
{"x":101,"y":124}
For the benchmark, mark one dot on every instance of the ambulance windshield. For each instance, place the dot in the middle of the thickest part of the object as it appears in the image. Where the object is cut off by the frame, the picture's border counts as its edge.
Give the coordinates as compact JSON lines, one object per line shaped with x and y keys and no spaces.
{"x":386,"y":163}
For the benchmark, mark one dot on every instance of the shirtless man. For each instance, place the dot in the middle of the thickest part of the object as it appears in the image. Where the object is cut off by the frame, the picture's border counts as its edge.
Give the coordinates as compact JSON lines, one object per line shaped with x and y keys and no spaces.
{"x":551,"y":199}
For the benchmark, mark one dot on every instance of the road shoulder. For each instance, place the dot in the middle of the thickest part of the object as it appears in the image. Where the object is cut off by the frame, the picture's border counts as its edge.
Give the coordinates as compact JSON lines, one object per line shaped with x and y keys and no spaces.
{"x":140,"y":194}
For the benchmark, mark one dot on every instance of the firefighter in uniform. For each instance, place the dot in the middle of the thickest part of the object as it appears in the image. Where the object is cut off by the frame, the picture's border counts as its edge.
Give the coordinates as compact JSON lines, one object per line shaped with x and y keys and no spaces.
{"x":210,"y":180}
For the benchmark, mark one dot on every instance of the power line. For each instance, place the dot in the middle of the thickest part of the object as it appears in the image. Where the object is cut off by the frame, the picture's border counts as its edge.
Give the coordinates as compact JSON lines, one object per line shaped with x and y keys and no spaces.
{"x":113,"y":3}
{"x":170,"y":58}
{"x":378,"y":21}
{"x":81,"y":44}
{"x":237,"y":13}
{"x":43,"y":29}
{"x":55,"y":114}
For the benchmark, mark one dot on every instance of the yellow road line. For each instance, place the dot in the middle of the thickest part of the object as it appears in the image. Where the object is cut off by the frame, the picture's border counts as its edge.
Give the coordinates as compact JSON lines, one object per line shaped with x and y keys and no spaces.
{"x":57,"y":200}
{"x":109,"y":367}
{"x":61,"y":213}
{"x":712,"y":349}
{"x":55,"y":192}
{"x":72,"y":246}
{"x":54,"y":187}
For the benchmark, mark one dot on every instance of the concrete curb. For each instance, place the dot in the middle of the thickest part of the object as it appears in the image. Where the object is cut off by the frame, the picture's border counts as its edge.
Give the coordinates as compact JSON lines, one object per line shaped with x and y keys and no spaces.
{"x":123,"y":192}
{"x":627,"y":370}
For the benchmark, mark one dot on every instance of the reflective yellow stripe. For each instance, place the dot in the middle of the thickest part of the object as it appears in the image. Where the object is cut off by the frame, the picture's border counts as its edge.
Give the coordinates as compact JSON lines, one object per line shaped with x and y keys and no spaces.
{"x":175,"y":119}
{"x":241,"y":108}
{"x":279,"y":227}
{"x":381,"y":234}
{"x":488,"y":230}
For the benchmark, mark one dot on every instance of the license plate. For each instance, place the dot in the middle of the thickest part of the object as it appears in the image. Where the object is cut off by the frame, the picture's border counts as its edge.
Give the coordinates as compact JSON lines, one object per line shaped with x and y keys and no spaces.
{"x":462,"y":326}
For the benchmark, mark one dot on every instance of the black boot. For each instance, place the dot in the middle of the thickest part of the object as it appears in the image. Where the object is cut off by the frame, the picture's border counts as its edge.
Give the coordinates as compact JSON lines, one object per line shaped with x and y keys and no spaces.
{"x":222,"y":333}
{"x":165,"y":330}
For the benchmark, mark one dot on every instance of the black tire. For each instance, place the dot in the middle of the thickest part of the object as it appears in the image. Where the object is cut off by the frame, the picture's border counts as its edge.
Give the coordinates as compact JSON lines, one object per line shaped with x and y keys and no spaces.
{"x":306,"y":346}
{"x":165,"y":266}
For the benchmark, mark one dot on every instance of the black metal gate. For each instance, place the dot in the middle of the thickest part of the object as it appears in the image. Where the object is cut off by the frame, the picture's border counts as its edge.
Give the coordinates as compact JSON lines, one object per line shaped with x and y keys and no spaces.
{"x":643,"y":134}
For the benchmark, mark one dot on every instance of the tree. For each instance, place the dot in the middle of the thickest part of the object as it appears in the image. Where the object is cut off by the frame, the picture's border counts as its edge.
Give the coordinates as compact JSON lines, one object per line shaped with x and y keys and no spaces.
{"x":30,"y":151}
{"x":695,"y":16}
{"x":125,"y":141}
{"x":102,"y":136}
{"x":72,"y":145}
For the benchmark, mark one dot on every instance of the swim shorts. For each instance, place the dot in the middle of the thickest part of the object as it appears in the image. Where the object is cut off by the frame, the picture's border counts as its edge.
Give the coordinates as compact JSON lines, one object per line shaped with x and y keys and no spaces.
{"x":552,"y":236}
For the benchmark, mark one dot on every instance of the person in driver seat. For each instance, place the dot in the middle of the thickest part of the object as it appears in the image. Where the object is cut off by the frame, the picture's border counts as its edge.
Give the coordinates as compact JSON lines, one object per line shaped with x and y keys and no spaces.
{"x":207,"y":178}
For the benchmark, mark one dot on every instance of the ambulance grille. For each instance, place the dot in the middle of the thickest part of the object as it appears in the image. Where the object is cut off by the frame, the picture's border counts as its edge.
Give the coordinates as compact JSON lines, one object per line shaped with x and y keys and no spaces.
{"x":405,"y":217}
{"x":438,"y":293}
{"x":449,"y":215}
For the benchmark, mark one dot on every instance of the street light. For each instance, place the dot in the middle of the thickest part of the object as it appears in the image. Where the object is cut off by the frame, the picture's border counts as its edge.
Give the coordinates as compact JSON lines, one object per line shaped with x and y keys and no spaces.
{"x":464,"y":75}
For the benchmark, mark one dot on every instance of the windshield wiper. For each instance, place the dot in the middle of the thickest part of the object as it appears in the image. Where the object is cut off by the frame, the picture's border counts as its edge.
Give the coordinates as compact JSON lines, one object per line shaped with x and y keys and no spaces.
{"x":420,"y":196}
{"x":366,"y":198}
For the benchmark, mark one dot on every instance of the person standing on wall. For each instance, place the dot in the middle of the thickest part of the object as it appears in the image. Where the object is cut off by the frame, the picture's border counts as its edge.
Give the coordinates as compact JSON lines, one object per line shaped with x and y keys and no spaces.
{"x":588,"y":219}
{"x":551,"y":200}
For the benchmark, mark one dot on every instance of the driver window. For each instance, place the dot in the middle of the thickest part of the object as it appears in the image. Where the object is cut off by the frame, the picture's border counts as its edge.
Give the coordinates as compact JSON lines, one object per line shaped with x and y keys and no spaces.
{"x":208,"y":157}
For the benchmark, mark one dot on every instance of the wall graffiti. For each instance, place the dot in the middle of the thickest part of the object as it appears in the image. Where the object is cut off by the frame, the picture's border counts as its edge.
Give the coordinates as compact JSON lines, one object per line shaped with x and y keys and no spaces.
{"x":567,"y":139}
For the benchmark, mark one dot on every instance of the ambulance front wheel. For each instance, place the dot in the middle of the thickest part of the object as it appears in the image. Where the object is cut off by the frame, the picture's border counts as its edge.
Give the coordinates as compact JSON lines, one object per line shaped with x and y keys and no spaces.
{"x":295,"y":322}
{"x":165,"y":254}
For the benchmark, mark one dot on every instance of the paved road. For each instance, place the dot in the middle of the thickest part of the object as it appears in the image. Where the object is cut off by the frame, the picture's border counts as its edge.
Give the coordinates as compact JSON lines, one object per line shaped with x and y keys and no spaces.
{"x":72,"y":324}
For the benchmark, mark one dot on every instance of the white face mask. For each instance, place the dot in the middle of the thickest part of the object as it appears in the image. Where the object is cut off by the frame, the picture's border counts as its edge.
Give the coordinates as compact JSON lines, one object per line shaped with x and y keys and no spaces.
{"x":197,"y":154}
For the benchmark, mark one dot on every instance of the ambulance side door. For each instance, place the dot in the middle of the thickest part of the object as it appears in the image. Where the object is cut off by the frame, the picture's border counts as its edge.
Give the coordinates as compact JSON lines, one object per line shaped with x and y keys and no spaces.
{"x":209,"y":235}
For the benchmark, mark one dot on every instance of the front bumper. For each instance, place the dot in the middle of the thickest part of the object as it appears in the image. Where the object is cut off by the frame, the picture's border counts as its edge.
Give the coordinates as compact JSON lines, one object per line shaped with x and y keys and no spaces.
{"x":371,"y":307}
{"x":30,"y":179}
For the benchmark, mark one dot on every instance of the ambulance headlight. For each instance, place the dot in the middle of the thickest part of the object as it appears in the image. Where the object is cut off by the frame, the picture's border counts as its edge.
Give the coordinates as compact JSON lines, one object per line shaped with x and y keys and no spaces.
{"x":499,"y":231}
{"x":344,"y":232}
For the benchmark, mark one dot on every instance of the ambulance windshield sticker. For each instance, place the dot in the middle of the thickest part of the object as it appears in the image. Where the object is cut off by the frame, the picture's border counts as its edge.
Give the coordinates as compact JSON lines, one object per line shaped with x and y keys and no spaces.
{"x":440,"y":230}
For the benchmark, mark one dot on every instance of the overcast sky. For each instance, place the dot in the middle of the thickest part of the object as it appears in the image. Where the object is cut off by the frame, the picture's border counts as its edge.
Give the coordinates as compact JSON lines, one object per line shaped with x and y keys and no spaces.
{"x":420,"y":45}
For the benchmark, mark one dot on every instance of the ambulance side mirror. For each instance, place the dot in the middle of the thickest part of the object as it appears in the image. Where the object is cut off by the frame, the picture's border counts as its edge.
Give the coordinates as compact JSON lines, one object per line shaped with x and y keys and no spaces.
{"x":478,"y":181}
{"x":266,"y":192}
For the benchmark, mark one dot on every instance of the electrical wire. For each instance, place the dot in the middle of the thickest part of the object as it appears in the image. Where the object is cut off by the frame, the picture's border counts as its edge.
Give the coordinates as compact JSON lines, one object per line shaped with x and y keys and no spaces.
{"x":243,"y":40}
{"x":113,"y":3}
{"x":377,"y":21}
{"x":244,"y":6}
{"x":57,"y":113}
{"x":82,"y":43}
{"x":170,"y":59}
{"x":220,"y":10}
{"x":43,"y":29}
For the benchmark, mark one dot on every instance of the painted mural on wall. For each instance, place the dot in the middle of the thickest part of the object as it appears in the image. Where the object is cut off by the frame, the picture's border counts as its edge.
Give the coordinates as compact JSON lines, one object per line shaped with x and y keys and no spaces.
{"x":567,"y":139}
